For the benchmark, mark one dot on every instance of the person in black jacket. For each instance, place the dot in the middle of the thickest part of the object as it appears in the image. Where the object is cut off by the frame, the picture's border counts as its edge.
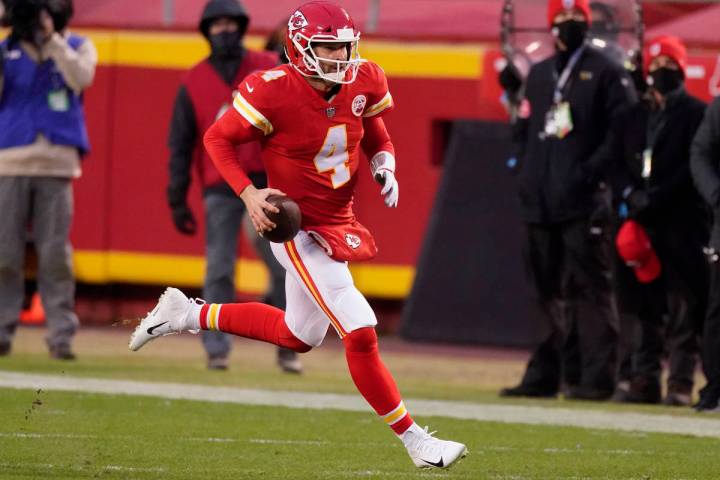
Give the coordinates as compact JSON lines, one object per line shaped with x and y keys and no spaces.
{"x":653,"y":187}
{"x":705,"y":166}
{"x":569,"y":102}
{"x":206,"y":92}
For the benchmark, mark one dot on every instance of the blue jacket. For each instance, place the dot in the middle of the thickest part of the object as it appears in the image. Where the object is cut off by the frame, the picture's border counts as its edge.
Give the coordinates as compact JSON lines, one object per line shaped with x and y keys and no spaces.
{"x":25,"y":107}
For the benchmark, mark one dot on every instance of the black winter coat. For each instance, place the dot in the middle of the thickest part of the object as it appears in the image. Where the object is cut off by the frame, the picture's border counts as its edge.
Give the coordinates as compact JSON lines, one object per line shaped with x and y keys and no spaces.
{"x":675,"y":216}
{"x":674,"y":203}
{"x":558,"y":177}
{"x":705,"y":165}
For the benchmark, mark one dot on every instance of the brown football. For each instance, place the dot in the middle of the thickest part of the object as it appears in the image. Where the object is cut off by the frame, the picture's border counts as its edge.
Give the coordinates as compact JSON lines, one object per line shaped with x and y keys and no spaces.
{"x":287,"y":219}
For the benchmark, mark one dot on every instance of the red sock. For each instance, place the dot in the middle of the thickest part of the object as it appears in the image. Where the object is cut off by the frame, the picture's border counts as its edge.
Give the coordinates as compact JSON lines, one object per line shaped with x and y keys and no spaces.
{"x":251,"y":320}
{"x":373,"y":379}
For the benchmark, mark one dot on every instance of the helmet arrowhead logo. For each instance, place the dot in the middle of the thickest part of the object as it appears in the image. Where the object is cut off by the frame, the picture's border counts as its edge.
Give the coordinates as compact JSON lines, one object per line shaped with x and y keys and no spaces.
{"x":297,"y":21}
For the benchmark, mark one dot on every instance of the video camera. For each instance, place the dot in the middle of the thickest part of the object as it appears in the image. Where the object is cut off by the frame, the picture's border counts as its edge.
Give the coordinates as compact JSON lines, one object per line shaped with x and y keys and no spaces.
{"x":23,"y":17}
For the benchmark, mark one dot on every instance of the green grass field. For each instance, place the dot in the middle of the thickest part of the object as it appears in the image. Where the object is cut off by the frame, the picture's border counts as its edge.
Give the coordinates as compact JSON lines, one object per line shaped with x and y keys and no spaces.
{"x":71,"y":435}
{"x":103,"y":436}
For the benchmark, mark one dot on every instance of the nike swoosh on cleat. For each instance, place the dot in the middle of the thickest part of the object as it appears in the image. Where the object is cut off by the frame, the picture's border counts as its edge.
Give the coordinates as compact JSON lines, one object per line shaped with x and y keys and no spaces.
{"x":439,"y":464}
{"x":150,"y":332}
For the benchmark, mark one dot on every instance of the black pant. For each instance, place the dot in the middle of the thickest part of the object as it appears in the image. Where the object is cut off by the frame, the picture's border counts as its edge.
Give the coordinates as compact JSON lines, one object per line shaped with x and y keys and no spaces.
{"x":569,"y":268}
{"x":669,"y":311}
{"x":642,"y":316}
{"x":711,"y":336}
{"x":686,"y":279}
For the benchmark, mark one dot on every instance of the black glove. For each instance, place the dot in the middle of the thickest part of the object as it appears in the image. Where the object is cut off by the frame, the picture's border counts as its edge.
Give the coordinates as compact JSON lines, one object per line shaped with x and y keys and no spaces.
{"x":510,"y":79}
{"x":184,"y":219}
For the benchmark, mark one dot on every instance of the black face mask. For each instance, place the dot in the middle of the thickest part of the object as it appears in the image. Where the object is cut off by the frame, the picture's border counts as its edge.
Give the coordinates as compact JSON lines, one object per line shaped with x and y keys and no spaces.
{"x":226,"y":44}
{"x":30,"y":34}
{"x":666,"y":80}
{"x":24,"y":19}
{"x":571,"y":33}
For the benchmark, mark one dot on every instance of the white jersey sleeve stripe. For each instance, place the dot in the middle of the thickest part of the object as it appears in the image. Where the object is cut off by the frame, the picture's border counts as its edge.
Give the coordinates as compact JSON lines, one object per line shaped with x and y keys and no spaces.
{"x":383,"y":104}
{"x":251,"y":115}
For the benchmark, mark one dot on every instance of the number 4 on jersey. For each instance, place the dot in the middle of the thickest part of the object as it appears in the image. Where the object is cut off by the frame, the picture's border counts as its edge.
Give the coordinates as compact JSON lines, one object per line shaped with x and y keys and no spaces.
{"x":333,"y":156}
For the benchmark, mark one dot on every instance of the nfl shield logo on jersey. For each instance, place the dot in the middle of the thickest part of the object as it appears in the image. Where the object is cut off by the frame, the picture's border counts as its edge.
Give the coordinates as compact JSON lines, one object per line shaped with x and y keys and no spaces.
{"x":330,"y":112}
{"x":353,"y":241}
{"x":358,"y":105}
{"x":568,"y":4}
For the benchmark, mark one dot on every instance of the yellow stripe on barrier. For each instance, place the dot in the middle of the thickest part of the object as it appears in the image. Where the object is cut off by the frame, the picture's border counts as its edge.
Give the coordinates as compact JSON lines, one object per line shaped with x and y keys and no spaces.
{"x":181,"y":50}
{"x":94,"y":266}
{"x":383,"y":281}
{"x":251,"y":276}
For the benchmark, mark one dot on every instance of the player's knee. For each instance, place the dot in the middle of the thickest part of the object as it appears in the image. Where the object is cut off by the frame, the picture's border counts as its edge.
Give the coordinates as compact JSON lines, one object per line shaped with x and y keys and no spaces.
{"x":362,"y":340}
{"x":297,"y":345}
{"x":288,"y":340}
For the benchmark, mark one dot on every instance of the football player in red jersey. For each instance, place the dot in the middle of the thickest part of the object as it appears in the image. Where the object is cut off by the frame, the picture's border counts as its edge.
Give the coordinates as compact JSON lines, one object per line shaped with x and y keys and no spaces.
{"x":312,"y":117}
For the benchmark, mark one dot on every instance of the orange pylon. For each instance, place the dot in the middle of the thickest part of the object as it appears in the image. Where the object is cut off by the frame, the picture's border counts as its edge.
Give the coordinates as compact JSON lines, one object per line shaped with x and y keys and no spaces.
{"x":35,"y":315}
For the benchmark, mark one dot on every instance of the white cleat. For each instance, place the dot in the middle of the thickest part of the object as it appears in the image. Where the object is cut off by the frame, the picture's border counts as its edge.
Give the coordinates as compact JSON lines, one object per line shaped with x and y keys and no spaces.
{"x":427,"y":451}
{"x":168,"y":317}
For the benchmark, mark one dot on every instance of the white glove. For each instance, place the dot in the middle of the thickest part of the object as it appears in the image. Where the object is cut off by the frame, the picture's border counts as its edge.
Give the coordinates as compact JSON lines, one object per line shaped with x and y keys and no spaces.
{"x":383,"y":170}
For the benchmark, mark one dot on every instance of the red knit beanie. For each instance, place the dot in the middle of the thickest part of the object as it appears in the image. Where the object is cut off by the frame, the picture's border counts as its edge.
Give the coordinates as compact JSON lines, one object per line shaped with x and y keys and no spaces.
{"x":667,"y":45}
{"x":557,"y":6}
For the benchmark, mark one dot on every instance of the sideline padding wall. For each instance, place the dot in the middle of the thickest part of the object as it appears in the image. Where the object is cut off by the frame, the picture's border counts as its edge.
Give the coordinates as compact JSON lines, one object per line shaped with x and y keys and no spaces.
{"x":470,"y":285}
{"x":123,"y":231}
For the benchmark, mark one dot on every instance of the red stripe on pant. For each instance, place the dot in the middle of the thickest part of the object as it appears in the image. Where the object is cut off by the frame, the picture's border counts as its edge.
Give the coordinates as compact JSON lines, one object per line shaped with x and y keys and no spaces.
{"x":302,"y":270}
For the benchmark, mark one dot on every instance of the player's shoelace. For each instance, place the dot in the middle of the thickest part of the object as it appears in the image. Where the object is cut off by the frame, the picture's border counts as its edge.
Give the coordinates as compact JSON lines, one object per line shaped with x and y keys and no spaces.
{"x":196,"y":301}
{"x":426,"y":443}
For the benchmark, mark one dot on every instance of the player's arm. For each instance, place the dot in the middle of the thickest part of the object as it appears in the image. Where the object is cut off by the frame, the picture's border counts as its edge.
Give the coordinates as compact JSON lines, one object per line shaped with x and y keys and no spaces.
{"x":220,"y":140}
{"x":378,"y":147}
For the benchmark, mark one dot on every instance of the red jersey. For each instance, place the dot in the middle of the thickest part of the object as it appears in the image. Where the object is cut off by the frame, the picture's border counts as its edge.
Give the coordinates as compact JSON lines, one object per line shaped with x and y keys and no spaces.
{"x":311,"y":146}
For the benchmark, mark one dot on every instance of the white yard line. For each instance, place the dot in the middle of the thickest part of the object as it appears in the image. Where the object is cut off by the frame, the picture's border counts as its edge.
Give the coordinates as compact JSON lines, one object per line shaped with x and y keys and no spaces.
{"x":75,"y":468}
{"x":286,"y":442}
{"x":702,"y":426}
{"x":46,"y":435}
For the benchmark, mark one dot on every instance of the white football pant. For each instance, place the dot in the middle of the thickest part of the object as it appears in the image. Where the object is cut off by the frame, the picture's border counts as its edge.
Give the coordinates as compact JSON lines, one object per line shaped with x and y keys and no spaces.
{"x":320,"y":292}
